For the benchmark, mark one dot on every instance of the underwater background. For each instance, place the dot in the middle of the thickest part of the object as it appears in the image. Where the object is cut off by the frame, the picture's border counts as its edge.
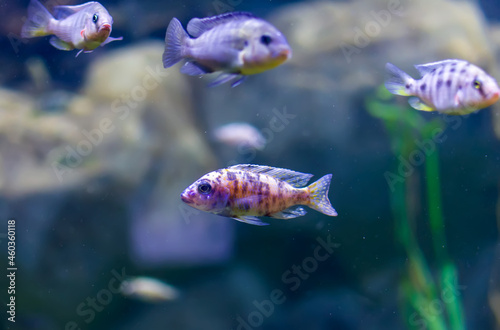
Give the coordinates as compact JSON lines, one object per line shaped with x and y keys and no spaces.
{"x":95,"y":150}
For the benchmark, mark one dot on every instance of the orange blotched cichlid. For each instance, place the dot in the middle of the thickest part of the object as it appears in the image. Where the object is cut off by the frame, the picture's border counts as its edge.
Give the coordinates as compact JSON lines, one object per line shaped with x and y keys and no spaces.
{"x":237,"y":44}
{"x":453,"y":87}
{"x":83,"y":27}
{"x":246,"y":192}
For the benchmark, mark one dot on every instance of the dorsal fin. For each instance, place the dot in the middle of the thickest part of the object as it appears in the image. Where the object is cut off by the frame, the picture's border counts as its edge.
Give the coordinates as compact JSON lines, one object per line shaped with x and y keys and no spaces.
{"x":293,"y":178}
{"x":427,"y":68}
{"x":61,"y":12}
{"x":197,"y":26}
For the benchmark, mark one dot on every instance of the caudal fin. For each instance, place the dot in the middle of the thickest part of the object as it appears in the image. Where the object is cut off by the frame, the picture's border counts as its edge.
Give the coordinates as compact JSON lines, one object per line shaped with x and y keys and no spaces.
{"x":319,"y":196}
{"x":174,"y":41}
{"x":397,"y":80}
{"x":37,"y":21}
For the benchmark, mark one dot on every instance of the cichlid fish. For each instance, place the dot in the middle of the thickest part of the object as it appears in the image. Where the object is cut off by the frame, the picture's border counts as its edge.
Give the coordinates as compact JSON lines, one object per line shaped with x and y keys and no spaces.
{"x":83,"y":27}
{"x":237,"y":44}
{"x":240,"y":134}
{"x":246,"y":192}
{"x":453,"y":87}
{"x":148,"y":289}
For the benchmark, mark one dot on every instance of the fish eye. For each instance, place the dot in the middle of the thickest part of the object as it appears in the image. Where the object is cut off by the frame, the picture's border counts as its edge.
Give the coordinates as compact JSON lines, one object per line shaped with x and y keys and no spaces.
{"x":476,"y":84}
{"x":204,"y":188}
{"x":95,"y":18}
{"x":266,"y":40}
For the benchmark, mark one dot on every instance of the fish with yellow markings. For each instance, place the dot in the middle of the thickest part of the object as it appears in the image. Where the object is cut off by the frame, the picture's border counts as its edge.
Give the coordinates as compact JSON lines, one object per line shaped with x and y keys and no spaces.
{"x":85,"y":27}
{"x":453,"y":87}
{"x":246,"y":192}
{"x":237,"y":44}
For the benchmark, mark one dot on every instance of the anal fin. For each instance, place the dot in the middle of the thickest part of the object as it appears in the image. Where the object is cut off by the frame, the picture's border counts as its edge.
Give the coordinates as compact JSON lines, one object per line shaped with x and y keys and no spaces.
{"x":194,"y":69}
{"x":225,"y":77}
{"x":290,"y":213}
{"x":238,"y":81}
{"x":416,"y":103}
{"x":251,"y":220}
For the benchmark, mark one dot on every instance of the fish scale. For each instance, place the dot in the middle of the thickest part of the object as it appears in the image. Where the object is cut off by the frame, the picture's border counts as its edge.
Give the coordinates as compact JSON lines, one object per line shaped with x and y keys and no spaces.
{"x":263,"y":187}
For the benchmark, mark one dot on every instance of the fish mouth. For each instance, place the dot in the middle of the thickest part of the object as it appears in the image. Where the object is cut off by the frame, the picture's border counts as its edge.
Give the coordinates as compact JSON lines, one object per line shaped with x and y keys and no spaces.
{"x":105,"y":27}
{"x":285,"y":53}
{"x":493,"y":97}
{"x":185,"y":198}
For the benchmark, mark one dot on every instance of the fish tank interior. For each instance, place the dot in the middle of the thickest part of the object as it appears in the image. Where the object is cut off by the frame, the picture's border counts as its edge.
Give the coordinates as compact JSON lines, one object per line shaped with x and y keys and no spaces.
{"x":95,"y":151}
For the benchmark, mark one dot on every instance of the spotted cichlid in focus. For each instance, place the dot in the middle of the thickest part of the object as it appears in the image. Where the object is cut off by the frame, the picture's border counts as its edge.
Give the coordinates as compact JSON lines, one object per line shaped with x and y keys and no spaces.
{"x":83,"y":27}
{"x":453,"y":87}
{"x":246,"y":192}
{"x":237,"y":44}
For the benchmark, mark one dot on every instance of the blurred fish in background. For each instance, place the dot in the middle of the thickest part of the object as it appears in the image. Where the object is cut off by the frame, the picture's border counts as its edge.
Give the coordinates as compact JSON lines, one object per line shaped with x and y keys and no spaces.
{"x":83,"y":27}
{"x":148,"y":289}
{"x":238,"y":44}
{"x":240,"y":134}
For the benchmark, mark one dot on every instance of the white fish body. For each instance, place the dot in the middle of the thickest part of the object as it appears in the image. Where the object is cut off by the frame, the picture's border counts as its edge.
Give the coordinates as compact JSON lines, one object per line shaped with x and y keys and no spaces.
{"x":453,"y":87}
{"x":240,"y":134}
{"x":237,"y":44}
{"x":85,"y":27}
{"x":148,"y":289}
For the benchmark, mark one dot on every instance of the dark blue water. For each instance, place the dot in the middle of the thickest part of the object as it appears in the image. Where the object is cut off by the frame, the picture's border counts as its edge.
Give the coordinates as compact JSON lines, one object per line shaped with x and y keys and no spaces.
{"x":95,"y":151}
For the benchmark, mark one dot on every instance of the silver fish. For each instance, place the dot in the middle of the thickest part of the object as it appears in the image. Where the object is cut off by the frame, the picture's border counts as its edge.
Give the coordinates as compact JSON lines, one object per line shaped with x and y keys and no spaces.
{"x":237,"y":44}
{"x":240,"y":134}
{"x":83,"y":27}
{"x":453,"y":87}
{"x":148,"y":289}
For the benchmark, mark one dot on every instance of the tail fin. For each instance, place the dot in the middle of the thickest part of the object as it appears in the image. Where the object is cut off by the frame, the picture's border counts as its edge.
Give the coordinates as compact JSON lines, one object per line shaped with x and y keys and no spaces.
{"x":174,"y":41}
{"x":319,"y":196}
{"x":37,"y":21}
{"x":397,"y":80}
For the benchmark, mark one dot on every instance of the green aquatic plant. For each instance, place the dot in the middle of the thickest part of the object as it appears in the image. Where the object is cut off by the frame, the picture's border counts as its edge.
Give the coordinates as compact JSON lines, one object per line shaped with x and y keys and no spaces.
{"x":430,"y":298}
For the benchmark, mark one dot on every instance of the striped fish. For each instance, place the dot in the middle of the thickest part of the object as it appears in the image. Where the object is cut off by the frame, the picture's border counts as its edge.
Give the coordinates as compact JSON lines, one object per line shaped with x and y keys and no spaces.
{"x":83,"y":27}
{"x":246,"y":192}
{"x":453,"y":87}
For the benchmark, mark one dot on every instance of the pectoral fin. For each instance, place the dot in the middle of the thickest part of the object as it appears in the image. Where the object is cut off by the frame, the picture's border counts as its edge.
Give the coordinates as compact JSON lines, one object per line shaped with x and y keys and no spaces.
{"x":419,"y":105}
{"x":110,"y":39}
{"x":59,"y":44}
{"x":458,"y":99}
